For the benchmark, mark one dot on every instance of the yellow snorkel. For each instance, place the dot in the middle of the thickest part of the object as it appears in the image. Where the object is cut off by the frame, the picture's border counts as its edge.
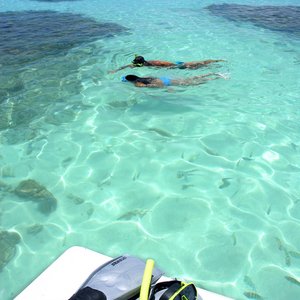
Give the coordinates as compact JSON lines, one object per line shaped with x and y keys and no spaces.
{"x":146,"y":282}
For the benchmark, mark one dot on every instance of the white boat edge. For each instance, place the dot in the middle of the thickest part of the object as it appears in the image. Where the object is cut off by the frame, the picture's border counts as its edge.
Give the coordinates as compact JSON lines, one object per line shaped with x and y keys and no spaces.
{"x":66,"y":274}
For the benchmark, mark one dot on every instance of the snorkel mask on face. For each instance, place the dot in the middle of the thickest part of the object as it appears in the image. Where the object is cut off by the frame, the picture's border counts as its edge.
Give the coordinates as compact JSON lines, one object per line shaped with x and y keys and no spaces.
{"x":138,"y":61}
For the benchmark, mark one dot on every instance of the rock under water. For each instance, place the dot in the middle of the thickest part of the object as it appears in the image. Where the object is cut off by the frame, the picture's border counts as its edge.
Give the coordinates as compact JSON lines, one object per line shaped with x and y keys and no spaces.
{"x":277,"y":18}
{"x":32,"y":190}
{"x":8,"y":242}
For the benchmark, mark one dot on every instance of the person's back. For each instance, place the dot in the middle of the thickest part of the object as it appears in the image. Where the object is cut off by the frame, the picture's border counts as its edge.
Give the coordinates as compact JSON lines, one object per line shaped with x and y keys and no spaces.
{"x":143,"y":81}
{"x":140,"y":61}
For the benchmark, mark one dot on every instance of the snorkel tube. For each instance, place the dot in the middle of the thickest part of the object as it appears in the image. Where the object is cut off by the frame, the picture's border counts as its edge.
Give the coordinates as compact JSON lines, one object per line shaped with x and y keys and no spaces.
{"x":146,"y":282}
{"x":135,"y":63}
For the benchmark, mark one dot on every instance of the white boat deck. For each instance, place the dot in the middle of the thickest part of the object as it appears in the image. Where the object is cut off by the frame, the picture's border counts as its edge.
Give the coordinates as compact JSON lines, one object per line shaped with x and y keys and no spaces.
{"x":65,"y":275}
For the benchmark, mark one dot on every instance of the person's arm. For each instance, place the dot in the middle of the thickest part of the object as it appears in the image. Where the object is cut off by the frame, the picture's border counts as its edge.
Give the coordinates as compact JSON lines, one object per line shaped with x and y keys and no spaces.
{"x":121,"y":68}
{"x":197,"y":64}
{"x":140,"y":84}
{"x":150,"y":85}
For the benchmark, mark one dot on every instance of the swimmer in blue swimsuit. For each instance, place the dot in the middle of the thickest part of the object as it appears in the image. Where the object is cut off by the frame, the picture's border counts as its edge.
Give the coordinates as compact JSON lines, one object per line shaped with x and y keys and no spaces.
{"x":139,"y":61}
{"x":160,"y":82}
{"x":166,"y":81}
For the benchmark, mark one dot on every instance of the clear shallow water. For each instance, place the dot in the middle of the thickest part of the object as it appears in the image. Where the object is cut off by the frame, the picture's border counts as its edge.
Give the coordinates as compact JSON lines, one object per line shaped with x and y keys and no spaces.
{"x":204,"y":179}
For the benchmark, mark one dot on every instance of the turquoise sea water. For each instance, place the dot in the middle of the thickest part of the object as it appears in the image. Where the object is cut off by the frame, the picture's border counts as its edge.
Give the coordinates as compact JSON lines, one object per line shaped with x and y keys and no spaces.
{"x":203,"y":179}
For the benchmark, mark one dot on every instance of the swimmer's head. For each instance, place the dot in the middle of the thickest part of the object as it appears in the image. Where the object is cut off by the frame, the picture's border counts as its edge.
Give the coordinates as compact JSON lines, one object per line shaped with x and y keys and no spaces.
{"x":136,"y":79}
{"x":130,"y":78}
{"x":139,"y":61}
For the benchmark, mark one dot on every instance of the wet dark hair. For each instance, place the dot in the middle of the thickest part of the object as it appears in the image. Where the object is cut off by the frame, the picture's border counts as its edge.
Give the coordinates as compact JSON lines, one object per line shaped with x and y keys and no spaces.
{"x":134,"y":78}
{"x":88,"y":293}
{"x":139,"y":60}
{"x":131,"y":78}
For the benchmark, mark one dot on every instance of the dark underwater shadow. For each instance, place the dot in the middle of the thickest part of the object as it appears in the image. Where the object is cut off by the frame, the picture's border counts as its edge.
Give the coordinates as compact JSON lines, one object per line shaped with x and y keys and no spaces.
{"x":38,"y":70}
{"x":30,"y":35}
{"x":277,"y":18}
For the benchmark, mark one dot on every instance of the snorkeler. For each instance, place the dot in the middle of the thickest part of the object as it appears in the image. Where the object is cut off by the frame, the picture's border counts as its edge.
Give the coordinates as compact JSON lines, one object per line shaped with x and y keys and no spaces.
{"x":139,"y":61}
{"x":160,"y":82}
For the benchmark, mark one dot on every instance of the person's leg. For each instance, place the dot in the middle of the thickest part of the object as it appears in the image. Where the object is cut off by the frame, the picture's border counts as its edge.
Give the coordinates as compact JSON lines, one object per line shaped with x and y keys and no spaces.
{"x":199,"y":64}
{"x":196,"y":80}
